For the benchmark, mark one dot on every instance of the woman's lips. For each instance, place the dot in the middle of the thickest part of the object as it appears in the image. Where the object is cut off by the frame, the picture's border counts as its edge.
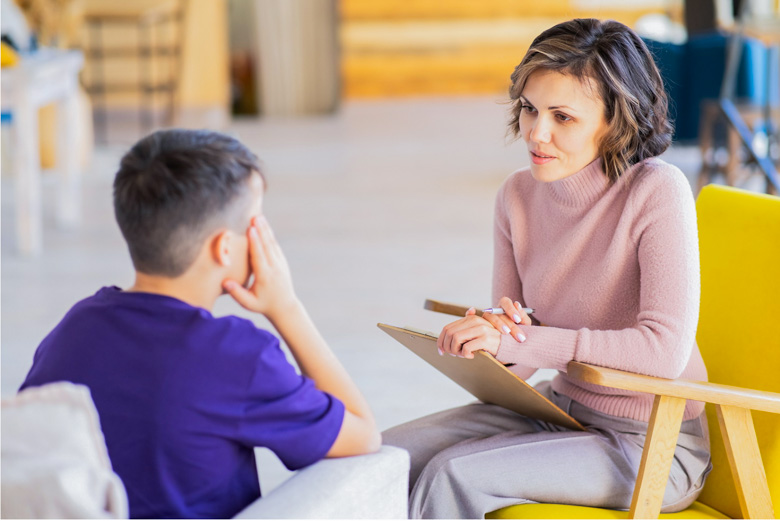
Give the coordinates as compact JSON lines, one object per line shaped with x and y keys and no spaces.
{"x":539,"y":159}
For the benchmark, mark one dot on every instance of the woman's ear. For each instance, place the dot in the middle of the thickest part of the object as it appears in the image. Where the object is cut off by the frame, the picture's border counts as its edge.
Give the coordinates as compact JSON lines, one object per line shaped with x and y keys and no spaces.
{"x":221,"y":243}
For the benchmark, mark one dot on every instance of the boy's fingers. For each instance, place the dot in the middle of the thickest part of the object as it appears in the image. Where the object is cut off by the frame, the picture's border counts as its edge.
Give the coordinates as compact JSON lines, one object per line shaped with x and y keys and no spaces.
{"x":268,"y":231}
{"x":275,"y":248}
{"x":265,"y":237}
{"x":239,"y":293}
{"x":256,"y":256}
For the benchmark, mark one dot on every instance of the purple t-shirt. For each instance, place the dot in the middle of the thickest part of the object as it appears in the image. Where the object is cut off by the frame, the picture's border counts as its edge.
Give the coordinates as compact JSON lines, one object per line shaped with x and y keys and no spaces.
{"x":183,"y":398}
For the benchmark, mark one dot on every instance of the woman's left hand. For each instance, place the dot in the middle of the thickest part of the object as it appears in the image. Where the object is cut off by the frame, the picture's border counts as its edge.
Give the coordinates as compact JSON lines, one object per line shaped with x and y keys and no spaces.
{"x":467,"y":335}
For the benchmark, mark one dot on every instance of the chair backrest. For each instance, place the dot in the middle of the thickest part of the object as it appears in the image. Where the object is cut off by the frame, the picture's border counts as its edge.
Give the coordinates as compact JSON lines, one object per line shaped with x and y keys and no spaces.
{"x":54,"y":457}
{"x":739,"y":323}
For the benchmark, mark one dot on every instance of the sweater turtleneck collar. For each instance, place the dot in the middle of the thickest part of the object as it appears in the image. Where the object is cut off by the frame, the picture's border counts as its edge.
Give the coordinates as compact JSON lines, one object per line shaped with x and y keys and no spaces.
{"x":581,"y":188}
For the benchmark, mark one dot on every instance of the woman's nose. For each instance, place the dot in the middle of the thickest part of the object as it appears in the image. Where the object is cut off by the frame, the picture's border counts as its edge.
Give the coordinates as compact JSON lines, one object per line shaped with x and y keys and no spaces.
{"x":540,"y":132}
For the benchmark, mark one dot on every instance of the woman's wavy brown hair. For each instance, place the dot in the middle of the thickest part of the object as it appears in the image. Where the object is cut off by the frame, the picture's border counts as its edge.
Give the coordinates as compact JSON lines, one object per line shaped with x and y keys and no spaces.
{"x":617,"y":60}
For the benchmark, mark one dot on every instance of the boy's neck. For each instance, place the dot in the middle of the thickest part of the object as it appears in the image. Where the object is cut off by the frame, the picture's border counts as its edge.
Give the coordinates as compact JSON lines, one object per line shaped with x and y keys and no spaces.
{"x":183,"y":288}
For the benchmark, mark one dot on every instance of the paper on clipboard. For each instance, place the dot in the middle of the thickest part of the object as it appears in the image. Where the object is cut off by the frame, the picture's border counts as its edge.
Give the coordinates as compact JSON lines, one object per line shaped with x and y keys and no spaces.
{"x":484,"y":377}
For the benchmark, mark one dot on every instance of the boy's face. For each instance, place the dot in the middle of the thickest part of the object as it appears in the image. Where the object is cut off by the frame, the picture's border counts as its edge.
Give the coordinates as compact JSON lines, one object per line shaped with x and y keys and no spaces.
{"x":240,"y":270}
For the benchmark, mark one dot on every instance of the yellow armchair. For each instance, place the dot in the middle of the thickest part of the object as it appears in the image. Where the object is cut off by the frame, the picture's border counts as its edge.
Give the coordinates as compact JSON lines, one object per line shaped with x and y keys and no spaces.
{"x":739,"y":338}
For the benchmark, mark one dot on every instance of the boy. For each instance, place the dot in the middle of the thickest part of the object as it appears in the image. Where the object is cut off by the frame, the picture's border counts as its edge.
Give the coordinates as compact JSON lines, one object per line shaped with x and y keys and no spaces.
{"x":183,"y":396}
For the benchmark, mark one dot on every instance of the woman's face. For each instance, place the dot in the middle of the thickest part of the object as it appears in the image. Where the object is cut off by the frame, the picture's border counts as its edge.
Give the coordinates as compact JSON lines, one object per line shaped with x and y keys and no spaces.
{"x":562,"y":122}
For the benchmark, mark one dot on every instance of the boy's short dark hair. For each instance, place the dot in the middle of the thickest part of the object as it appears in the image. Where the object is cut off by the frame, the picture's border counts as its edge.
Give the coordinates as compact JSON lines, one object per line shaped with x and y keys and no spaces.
{"x":174,"y":188}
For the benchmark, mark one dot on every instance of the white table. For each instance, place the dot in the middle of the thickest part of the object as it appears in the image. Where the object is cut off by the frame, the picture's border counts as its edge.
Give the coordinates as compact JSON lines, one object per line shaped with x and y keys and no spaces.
{"x":41,"y":78}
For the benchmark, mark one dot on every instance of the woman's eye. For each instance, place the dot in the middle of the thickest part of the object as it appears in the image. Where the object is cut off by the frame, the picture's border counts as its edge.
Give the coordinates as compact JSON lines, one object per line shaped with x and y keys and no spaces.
{"x":563,"y":117}
{"x":528,"y":108}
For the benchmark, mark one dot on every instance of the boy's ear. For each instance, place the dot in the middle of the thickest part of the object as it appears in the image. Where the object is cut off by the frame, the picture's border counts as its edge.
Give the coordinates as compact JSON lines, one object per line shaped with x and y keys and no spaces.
{"x":220,"y":248}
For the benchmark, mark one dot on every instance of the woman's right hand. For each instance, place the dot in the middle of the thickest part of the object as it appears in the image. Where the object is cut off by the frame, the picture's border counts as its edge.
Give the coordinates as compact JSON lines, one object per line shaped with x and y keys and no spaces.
{"x":467,"y":335}
{"x":509,"y":323}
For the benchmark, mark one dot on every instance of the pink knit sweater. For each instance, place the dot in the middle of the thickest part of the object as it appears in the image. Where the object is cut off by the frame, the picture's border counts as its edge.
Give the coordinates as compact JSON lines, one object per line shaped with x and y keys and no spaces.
{"x":613,"y":273}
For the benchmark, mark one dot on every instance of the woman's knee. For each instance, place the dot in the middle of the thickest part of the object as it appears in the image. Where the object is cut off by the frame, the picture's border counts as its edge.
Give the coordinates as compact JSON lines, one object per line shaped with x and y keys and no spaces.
{"x":453,"y":466}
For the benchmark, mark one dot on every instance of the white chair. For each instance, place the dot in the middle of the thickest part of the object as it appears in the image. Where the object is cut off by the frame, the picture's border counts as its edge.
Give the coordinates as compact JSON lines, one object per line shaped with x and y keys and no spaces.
{"x":55,"y":465}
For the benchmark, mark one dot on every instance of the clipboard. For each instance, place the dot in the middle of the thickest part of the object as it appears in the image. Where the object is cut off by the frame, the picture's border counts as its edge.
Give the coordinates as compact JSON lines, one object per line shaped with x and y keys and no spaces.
{"x":484,"y":377}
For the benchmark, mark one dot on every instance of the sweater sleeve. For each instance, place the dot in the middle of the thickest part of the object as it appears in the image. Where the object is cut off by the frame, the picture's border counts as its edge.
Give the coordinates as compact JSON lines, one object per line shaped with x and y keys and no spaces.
{"x":506,"y":278}
{"x":660,"y":342}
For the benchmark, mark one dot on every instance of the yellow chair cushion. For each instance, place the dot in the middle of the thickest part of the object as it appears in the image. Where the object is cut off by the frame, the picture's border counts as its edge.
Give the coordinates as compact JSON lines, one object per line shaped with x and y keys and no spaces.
{"x":547,"y":511}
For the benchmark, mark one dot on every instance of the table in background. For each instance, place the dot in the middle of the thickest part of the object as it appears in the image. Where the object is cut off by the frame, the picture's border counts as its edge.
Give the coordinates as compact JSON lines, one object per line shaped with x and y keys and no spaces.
{"x":40,"y":78}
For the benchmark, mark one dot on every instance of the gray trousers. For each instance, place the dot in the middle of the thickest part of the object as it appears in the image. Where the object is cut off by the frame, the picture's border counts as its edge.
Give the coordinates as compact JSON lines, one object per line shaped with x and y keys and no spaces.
{"x":471,"y":460}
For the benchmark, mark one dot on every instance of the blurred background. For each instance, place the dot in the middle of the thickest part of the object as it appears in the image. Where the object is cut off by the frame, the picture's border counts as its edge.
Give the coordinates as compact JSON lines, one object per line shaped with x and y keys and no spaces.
{"x":382,"y":128}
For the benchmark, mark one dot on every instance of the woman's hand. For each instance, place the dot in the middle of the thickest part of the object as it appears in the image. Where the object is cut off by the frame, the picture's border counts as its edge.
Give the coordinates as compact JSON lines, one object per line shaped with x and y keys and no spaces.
{"x":271,"y":290}
{"x":467,"y":335}
{"x":509,"y":322}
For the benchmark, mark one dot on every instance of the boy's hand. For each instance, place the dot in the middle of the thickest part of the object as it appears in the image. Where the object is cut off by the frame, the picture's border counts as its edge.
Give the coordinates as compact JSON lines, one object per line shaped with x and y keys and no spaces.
{"x":271,"y":290}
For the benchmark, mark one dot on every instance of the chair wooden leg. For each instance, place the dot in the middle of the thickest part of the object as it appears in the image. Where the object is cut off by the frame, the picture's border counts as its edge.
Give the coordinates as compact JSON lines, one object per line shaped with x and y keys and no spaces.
{"x":739,"y":437}
{"x":732,"y":165}
{"x":662,"y":433}
{"x":710,"y":113}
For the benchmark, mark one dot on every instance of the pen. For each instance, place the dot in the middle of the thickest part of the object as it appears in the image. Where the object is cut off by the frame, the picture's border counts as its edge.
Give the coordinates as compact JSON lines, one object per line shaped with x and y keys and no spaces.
{"x":500,"y":311}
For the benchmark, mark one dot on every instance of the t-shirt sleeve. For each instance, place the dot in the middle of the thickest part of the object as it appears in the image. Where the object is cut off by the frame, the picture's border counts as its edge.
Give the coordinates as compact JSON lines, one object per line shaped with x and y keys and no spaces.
{"x":284,"y":410}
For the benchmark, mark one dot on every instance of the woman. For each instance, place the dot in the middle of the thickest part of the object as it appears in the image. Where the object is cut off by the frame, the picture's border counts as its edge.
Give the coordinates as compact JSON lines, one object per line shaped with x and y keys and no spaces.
{"x":599,"y":236}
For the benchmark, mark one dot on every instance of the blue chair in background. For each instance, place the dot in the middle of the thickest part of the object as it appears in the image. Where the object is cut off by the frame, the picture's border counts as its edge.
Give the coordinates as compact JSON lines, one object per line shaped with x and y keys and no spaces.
{"x":693,"y":73}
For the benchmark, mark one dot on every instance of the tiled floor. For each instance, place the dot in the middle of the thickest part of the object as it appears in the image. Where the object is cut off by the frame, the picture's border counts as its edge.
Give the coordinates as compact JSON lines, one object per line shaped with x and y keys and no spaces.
{"x":377,"y":207}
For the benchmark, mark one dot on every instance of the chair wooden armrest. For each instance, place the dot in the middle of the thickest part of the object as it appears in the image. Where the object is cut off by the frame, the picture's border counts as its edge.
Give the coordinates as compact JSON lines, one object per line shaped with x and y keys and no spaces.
{"x":447,"y":308}
{"x":679,"y":388}
{"x":733,"y":405}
